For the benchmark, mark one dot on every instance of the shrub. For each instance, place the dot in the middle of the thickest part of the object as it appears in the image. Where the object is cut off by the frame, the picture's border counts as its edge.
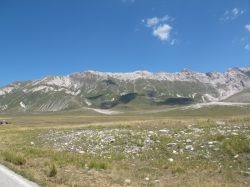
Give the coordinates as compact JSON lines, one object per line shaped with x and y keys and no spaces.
{"x":13,"y":158}
{"x":236,"y":144}
{"x":52,"y":171}
{"x":97,"y":165}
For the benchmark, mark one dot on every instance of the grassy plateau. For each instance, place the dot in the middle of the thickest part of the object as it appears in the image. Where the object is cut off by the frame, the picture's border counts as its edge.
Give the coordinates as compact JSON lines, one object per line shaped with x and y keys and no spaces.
{"x":173,"y":147}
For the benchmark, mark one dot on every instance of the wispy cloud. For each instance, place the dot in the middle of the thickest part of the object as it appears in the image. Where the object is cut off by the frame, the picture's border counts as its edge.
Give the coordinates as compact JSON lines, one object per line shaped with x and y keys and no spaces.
{"x":244,"y":42}
{"x":128,"y":1}
{"x":247,"y":46}
{"x":151,"y":22}
{"x":247,"y":27}
{"x":232,"y":14}
{"x":161,"y":28}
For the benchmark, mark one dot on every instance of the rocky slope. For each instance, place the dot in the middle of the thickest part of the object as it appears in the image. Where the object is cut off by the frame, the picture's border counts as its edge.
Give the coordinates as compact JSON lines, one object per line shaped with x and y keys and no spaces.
{"x":242,"y":97}
{"x":107,"y":90}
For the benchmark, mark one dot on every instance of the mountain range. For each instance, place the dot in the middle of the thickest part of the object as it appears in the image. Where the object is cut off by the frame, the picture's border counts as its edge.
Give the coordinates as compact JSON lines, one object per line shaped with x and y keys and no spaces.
{"x":91,"y":89}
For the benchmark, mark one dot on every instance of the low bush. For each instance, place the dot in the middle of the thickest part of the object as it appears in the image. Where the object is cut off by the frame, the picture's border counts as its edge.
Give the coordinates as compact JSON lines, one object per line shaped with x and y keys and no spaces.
{"x":14,"y":158}
{"x":52,"y":171}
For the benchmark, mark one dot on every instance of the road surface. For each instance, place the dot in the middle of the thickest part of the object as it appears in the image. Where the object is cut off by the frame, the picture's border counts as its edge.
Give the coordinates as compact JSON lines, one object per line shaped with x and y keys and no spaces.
{"x":10,"y":179}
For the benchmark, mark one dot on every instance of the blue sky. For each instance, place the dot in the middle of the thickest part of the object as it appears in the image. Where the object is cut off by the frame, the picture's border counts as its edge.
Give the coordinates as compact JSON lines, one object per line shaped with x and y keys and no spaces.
{"x":57,"y":37}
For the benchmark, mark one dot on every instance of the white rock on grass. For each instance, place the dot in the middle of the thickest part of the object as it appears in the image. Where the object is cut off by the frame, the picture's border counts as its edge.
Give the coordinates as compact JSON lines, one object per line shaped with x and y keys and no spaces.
{"x":245,"y":172}
{"x":170,"y":160}
{"x":212,"y":142}
{"x":220,"y":123}
{"x":236,"y":156}
{"x":189,"y":148}
{"x":175,"y":152}
{"x":151,"y":132}
{"x":163,"y":131}
{"x":127,"y":181}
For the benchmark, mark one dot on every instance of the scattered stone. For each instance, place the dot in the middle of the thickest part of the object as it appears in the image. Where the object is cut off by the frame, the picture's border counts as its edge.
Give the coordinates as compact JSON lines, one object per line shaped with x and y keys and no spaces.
{"x":146,"y":179}
{"x":175,"y":152}
{"x":163,"y":131}
{"x":197,"y":130}
{"x":210,"y":143}
{"x":236,"y":156}
{"x":170,"y":160}
{"x":32,"y":143}
{"x":245,"y":172}
{"x":189,"y":148}
{"x":151,"y":132}
{"x":127,"y":181}
{"x":132,"y":143}
{"x":220,"y":123}
{"x":171,"y":144}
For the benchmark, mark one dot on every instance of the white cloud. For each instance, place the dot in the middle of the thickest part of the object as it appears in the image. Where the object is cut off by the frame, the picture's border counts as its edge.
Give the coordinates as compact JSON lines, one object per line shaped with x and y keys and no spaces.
{"x":247,"y":27}
{"x":232,"y":14}
{"x":162,"y":32}
{"x":161,"y":28}
{"x":128,"y":1}
{"x":151,"y":22}
{"x":247,"y":46}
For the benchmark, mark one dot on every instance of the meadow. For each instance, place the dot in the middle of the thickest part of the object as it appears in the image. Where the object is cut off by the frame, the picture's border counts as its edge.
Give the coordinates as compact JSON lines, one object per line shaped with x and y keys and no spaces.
{"x":198,"y":147}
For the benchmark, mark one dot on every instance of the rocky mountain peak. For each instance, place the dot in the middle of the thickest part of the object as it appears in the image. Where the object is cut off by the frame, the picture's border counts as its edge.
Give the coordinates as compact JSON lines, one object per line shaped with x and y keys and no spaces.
{"x":106,"y":89}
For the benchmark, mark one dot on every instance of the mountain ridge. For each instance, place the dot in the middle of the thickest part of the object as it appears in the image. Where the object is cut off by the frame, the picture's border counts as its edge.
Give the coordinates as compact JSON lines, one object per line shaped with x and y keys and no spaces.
{"x":108,"y":90}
